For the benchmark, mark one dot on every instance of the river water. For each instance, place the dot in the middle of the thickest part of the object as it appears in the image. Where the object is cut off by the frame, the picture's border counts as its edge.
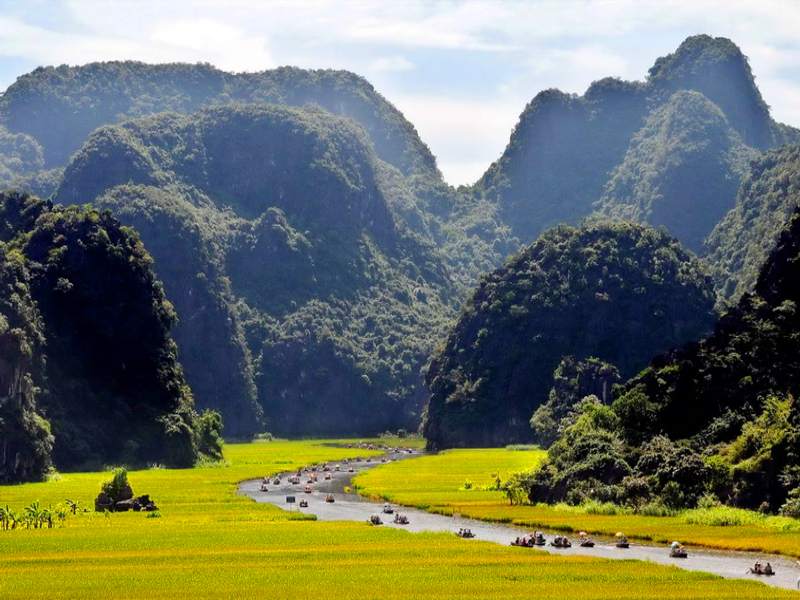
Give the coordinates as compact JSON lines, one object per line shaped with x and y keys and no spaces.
{"x":351,"y":507}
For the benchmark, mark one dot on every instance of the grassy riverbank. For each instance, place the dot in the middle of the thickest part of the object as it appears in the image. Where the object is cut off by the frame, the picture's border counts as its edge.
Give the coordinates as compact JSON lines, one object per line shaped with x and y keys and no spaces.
{"x":436,"y":483}
{"x":211,"y":543}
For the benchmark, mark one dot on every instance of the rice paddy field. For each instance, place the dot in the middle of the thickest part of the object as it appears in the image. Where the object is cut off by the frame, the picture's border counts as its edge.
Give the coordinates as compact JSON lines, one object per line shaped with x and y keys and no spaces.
{"x":211,"y":543}
{"x":437,"y":483}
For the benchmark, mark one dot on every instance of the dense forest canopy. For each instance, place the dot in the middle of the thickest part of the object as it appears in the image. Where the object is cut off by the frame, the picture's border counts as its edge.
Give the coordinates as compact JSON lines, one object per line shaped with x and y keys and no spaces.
{"x":681,"y":170}
{"x":616,"y":291}
{"x":718,"y":417}
{"x":60,"y":106}
{"x":742,"y":241}
{"x":89,"y":371}
{"x":293,"y":255}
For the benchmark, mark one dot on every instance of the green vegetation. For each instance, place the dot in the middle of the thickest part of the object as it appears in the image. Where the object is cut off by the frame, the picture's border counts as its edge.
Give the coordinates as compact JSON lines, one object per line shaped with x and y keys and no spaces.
{"x":681,"y":170}
{"x":289,"y":252}
{"x":716,"y":419}
{"x":667,"y":151}
{"x":50,"y":104}
{"x":20,"y":155}
{"x":435,"y":483}
{"x":437,"y":480}
{"x":88,"y":368}
{"x":743,"y":240}
{"x":211,"y":543}
{"x":573,"y":380}
{"x":619,"y":292}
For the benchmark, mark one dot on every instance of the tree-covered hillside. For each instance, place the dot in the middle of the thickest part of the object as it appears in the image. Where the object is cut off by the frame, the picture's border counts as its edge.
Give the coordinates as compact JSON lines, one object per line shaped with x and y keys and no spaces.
{"x":60,"y":106}
{"x":617,"y":292}
{"x":301,"y":268}
{"x":640,"y":148}
{"x":742,"y":241}
{"x":681,"y":170}
{"x":89,"y":371}
{"x":716,"y":417}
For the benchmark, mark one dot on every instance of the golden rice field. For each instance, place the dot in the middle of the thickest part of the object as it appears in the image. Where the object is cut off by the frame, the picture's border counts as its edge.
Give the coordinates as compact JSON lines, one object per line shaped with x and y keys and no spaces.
{"x":436,"y":483}
{"x":211,"y":543}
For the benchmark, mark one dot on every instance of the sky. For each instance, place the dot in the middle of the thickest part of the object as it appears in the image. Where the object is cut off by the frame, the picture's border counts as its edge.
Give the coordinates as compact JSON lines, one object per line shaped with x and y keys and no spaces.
{"x":460,"y":71}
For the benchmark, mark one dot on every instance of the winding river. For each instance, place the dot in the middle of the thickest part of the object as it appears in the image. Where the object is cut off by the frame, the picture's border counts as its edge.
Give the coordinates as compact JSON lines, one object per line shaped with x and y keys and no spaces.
{"x":352,"y":507}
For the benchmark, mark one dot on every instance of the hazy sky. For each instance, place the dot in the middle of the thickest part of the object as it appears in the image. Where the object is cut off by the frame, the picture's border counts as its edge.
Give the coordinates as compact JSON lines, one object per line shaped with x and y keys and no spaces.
{"x":460,"y":71}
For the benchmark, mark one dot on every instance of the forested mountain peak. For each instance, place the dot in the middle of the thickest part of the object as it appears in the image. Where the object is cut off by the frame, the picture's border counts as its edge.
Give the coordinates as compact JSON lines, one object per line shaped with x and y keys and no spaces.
{"x":566,"y":150}
{"x":60,"y":106}
{"x":615,"y":291}
{"x":718,"y":69}
{"x":681,"y":169}
{"x":88,"y":368}
{"x":293,"y":254}
{"x":718,"y":416}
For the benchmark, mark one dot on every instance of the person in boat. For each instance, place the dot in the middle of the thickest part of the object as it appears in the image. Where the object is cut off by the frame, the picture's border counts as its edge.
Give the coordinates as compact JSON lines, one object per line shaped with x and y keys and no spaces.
{"x":757,"y":568}
{"x":768,"y":570}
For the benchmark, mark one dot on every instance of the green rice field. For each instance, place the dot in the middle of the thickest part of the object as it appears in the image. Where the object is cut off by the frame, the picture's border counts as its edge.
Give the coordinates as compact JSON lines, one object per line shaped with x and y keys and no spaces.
{"x":211,"y":543}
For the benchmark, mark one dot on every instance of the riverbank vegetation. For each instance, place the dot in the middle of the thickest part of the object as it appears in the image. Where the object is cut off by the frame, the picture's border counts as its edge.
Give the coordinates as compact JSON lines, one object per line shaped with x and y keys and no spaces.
{"x":435,"y":483}
{"x":212,"y":543}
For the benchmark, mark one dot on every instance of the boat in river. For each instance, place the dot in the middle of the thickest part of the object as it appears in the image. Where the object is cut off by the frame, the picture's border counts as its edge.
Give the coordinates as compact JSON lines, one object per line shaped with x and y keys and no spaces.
{"x":676,"y":550}
{"x":465,"y":533}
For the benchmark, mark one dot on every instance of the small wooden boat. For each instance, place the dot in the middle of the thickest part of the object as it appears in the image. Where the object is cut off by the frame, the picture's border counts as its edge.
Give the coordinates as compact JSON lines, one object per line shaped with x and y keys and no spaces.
{"x":622,"y":541}
{"x":465,"y":533}
{"x":526,"y":541}
{"x":375,"y":520}
{"x":400,"y":519}
{"x":330,"y":499}
{"x":539,"y":539}
{"x":758,"y":569}
{"x":308,"y":489}
{"x":676,"y":550}
{"x":584,"y":541}
{"x":303,"y":503}
{"x":387,"y":509}
{"x":561,"y":541}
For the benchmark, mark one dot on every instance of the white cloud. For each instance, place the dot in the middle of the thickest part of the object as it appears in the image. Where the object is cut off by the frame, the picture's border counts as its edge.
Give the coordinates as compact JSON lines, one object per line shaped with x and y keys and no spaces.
{"x":466,"y":135}
{"x":207,"y":40}
{"x":387,"y":64}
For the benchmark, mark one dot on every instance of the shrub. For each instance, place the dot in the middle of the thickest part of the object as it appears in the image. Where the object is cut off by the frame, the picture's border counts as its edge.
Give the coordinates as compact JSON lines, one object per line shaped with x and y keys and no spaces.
{"x":118,"y":487}
{"x":208,"y":434}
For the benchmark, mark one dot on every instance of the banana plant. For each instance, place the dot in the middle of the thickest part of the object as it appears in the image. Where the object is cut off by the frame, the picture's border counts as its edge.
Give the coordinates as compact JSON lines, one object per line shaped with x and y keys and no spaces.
{"x":73,"y":505}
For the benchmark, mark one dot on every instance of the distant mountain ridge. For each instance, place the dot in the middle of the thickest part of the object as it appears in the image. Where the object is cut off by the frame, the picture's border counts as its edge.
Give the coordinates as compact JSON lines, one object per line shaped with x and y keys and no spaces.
{"x":570,"y":156}
{"x":60,"y":106}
